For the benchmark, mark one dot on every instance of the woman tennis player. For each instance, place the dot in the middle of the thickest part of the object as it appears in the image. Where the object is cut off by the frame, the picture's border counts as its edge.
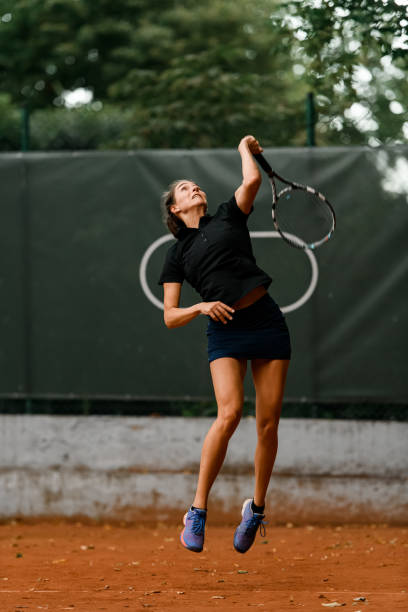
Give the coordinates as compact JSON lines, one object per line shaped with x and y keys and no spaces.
{"x":213,"y":253}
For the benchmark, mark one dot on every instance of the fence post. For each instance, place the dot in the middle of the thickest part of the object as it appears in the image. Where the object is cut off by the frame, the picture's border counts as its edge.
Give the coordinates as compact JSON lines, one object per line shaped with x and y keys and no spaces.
{"x":26,"y":280}
{"x":310,"y":120}
{"x":25,"y":128}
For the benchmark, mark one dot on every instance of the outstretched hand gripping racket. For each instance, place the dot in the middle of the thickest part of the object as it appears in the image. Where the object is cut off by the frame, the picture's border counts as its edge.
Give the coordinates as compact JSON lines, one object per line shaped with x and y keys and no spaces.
{"x":302,"y":215}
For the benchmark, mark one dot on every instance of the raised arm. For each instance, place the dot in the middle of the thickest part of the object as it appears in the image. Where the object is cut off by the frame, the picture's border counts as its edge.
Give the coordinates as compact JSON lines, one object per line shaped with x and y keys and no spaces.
{"x":177,"y":317}
{"x":251,"y":177}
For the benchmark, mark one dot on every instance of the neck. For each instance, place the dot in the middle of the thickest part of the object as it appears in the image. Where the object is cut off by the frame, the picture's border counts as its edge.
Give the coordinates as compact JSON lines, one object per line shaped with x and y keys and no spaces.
{"x":193,"y":216}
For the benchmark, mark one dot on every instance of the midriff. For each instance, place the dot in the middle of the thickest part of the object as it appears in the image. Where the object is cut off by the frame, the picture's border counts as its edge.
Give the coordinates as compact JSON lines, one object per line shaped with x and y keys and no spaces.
{"x":250,"y":298}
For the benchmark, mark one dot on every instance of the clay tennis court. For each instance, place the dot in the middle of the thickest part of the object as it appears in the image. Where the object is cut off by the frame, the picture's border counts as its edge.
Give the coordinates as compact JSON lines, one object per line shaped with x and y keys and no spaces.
{"x":63,"y":565}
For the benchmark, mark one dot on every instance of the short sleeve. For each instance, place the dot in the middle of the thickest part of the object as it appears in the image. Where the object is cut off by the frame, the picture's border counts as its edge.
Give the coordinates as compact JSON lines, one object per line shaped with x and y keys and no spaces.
{"x":172,"y":271}
{"x":230,"y":210}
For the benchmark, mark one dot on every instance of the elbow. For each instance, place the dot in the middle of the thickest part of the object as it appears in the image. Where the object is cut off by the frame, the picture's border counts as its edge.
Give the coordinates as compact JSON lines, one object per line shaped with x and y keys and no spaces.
{"x":251,"y":186}
{"x":253,"y":182}
{"x":168,"y":322}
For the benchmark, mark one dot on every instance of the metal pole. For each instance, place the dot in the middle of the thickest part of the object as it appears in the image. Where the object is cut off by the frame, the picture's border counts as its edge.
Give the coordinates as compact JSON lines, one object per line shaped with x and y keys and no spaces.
{"x":26,"y":280}
{"x":310,"y":120}
{"x":25,"y":128}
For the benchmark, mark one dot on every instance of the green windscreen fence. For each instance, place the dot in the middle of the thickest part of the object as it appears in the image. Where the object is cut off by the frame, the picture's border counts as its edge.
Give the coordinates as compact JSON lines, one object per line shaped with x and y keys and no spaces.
{"x":82,"y":246}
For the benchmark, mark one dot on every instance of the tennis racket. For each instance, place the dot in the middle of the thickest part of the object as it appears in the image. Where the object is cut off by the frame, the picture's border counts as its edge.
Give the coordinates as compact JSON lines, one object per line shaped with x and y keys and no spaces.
{"x":302,"y":215}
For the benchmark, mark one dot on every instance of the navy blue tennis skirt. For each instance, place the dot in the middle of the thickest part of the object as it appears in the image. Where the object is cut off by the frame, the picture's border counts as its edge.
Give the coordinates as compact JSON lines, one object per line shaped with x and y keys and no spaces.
{"x":256,"y":332}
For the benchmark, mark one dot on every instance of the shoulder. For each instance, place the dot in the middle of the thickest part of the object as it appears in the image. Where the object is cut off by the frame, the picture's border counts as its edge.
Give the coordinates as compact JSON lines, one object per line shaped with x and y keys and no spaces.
{"x":173,"y":249}
{"x":172,"y":271}
{"x":173,"y":254}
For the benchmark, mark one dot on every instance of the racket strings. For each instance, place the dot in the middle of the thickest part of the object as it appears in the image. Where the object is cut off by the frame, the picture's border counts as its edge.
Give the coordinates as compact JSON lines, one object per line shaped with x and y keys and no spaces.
{"x":303,"y":214}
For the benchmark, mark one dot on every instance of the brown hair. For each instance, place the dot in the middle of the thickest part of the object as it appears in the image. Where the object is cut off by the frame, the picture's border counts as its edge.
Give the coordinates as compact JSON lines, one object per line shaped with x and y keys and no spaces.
{"x":167,"y":200}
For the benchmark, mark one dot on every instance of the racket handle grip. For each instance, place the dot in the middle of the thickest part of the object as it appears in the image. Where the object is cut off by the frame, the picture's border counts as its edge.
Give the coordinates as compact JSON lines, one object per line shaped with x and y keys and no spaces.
{"x":263,"y":163}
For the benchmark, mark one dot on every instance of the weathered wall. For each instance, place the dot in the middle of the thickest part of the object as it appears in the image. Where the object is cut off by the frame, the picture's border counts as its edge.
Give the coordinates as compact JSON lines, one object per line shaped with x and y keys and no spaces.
{"x":132,"y":467}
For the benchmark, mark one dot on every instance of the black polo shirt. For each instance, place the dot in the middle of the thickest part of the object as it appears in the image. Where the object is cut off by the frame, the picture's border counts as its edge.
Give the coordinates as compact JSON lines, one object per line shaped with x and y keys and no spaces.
{"x":217,"y":258}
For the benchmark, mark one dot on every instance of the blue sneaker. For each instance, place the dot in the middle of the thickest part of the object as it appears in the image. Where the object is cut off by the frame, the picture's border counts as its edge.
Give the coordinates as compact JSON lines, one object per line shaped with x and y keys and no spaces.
{"x":192,"y":536}
{"x":245,"y":532}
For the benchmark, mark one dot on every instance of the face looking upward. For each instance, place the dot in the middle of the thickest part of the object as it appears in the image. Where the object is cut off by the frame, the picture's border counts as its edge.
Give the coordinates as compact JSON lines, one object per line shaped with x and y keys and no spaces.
{"x":188,"y":196}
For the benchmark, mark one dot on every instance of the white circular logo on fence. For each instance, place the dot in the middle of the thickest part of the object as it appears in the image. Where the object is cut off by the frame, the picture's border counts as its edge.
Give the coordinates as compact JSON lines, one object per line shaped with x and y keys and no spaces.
{"x":289,"y":308}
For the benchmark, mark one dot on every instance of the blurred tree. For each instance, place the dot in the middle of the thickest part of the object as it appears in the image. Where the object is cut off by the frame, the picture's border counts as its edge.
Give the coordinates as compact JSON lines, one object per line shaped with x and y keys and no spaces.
{"x":200,"y":74}
{"x":194,"y":74}
{"x":354,"y":55}
{"x":48,"y":46}
{"x":9,"y":125}
{"x":224,"y":74}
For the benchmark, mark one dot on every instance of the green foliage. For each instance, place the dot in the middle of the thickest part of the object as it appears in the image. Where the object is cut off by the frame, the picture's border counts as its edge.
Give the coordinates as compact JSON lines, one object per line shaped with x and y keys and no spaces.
{"x":65,"y":129}
{"x":201,"y":74}
{"x":10,"y":125}
{"x":80,"y":128}
{"x":354,"y":51}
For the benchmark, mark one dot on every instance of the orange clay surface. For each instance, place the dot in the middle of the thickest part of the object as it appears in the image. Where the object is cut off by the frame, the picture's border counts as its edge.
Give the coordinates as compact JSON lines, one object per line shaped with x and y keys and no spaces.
{"x":60,"y":565}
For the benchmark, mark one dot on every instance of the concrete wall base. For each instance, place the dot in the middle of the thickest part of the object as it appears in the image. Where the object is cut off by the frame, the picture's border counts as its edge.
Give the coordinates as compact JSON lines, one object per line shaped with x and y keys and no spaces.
{"x":146,"y":469}
{"x":164,"y":497}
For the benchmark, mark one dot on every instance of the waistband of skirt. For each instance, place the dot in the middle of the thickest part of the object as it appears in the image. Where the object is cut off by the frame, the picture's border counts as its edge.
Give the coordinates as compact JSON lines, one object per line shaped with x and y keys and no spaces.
{"x":263,"y":311}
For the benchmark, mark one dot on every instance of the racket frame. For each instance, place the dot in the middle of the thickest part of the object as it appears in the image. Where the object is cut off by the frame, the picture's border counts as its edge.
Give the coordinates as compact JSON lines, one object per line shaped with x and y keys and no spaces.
{"x":292,"y":186}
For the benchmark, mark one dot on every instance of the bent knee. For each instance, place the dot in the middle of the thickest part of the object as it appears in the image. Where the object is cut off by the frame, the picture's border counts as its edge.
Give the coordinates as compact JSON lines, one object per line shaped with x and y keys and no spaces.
{"x":268,"y":429}
{"x":229,"y":420}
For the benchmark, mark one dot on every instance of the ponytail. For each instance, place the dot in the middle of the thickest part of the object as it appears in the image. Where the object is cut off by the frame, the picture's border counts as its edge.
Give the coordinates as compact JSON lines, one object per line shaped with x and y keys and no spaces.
{"x":170,"y":219}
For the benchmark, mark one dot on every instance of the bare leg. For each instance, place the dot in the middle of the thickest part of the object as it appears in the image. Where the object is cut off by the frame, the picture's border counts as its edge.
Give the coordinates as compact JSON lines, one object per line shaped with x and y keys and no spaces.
{"x":227,"y":376}
{"x":269,"y":379}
